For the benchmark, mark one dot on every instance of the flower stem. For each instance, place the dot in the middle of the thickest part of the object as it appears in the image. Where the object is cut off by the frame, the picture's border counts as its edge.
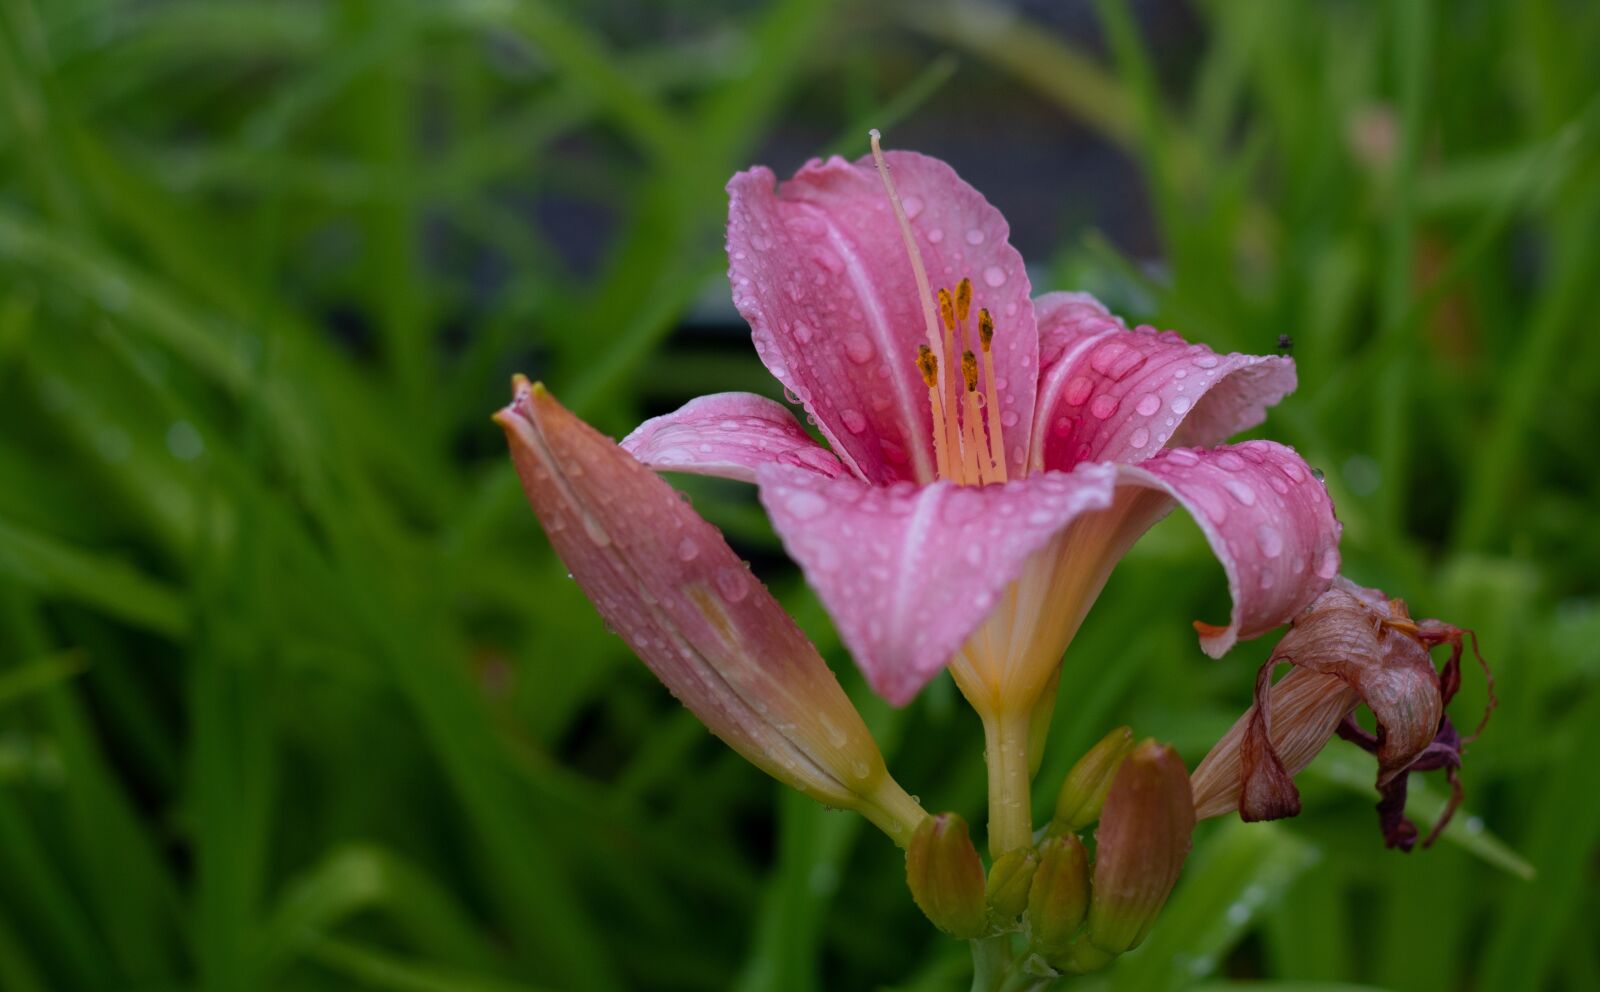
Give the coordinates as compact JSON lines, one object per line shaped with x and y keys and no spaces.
{"x":991,"y":962}
{"x":1005,"y":738}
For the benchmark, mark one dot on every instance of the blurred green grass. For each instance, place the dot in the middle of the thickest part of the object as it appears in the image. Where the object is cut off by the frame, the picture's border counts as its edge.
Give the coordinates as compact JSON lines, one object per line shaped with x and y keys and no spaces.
{"x":292,"y":692}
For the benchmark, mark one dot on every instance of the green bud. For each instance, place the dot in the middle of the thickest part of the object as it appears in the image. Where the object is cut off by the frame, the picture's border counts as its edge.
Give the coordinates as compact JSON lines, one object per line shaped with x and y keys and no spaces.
{"x":1009,"y":878}
{"x":946,"y":876}
{"x":1059,"y":896}
{"x":1140,"y":846}
{"x":1084,"y":791}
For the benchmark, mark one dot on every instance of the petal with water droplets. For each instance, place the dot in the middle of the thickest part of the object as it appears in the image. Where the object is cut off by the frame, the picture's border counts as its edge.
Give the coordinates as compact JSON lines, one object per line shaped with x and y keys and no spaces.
{"x":1107,"y":393}
{"x":728,"y":435}
{"x":1269,"y":521}
{"x":819,"y":269}
{"x":908,"y":573}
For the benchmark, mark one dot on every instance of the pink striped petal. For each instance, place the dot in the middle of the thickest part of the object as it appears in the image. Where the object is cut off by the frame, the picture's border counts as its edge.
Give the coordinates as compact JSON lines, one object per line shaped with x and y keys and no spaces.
{"x":728,"y":435}
{"x":668,"y":583}
{"x":820,"y":271}
{"x":1267,"y":517}
{"x":908,"y":573}
{"x":1111,"y":394}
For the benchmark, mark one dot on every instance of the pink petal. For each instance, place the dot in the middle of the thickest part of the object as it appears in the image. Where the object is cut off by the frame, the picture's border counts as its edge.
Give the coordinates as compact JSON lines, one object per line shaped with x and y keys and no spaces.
{"x":819,"y":270}
{"x":908,"y":573}
{"x":1110,"y":394}
{"x":668,"y":583}
{"x":1267,"y":517}
{"x":728,"y":435}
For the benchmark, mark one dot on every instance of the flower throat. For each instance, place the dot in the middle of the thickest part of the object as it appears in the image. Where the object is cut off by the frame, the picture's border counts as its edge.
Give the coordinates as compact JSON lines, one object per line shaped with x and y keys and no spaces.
{"x":968,"y":445}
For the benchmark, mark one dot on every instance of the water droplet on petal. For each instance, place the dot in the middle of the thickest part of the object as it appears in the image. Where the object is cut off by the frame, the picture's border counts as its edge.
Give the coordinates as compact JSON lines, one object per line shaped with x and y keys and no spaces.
{"x":1239,"y":491}
{"x":975,"y":236}
{"x":854,"y":421}
{"x":1149,"y":403}
{"x":733,"y":583}
{"x":1231,"y":461}
{"x":858,"y":347}
{"x":936,"y":235}
{"x":1206,"y":361}
{"x":1328,"y":565}
{"x":802,"y":332}
{"x":1077,"y":391}
{"x":688,"y":550}
{"x":1103,"y":406}
{"x":912,"y":206}
{"x":805,"y":504}
{"x":1180,"y":405}
{"x":1139,"y":438}
{"x":994,"y":276}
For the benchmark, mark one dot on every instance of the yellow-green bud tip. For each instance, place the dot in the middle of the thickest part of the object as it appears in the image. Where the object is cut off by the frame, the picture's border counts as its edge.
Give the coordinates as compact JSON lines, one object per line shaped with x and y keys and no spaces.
{"x":1084,"y":790}
{"x":945,"y":876}
{"x":1059,"y":897}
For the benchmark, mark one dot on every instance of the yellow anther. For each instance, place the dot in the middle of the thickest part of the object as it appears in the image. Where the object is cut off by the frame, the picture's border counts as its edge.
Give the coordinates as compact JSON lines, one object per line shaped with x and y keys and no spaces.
{"x":985,"y":329}
{"x":969,"y":370}
{"x":928,"y":365}
{"x":963,"y":299}
{"x":947,"y":309}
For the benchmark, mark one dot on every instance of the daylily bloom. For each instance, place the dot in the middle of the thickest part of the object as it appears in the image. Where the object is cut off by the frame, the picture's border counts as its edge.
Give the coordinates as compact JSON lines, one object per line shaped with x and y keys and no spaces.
{"x":1353,"y":645}
{"x":665,"y":580}
{"x":990,"y":454}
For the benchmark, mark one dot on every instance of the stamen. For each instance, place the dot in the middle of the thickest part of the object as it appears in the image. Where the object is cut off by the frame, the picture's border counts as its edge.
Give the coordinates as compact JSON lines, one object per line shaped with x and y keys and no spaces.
{"x":972,"y":457}
{"x":963,"y":299}
{"x":991,"y":408}
{"x":923,"y":289}
{"x":928,"y":365}
{"x":947,"y":309}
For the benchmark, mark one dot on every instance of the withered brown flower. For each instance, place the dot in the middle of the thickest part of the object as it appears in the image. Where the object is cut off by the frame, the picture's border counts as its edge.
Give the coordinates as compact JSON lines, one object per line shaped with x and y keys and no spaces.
{"x":1351,"y":646}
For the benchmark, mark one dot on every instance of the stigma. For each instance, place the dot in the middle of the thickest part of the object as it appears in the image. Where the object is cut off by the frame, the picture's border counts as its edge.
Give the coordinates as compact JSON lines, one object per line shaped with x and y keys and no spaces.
{"x":968,"y":442}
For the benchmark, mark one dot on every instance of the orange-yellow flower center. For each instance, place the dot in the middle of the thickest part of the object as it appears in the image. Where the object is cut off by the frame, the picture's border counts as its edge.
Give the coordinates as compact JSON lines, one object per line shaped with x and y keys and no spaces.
{"x":968,"y":440}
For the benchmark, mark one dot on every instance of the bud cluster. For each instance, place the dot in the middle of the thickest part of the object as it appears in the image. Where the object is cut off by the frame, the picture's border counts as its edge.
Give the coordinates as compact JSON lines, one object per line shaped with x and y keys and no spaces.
{"x":1076,"y":910}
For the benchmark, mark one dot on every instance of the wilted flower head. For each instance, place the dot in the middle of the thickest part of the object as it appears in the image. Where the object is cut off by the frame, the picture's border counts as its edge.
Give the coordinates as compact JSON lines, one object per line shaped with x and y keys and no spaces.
{"x":1352,"y":646}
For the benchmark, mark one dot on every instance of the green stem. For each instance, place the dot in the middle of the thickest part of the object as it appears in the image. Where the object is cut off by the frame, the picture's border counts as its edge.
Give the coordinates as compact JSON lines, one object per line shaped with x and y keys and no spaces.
{"x":1005,"y":738}
{"x":991,"y":962}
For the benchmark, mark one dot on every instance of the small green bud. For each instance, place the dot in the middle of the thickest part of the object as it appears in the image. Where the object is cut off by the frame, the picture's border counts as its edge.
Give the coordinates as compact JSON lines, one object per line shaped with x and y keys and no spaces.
{"x":1140,"y":846}
{"x":1059,"y":896}
{"x":1084,"y":790}
{"x":1009,"y":878}
{"x":945,"y":876}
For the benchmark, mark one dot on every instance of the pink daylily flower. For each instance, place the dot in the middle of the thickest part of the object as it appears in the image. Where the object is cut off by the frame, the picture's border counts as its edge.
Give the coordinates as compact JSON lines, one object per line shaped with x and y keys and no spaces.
{"x":990,"y":455}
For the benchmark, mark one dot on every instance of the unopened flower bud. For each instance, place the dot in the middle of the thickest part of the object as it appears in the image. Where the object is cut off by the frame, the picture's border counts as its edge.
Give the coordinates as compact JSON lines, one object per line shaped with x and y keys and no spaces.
{"x":1084,"y":790}
{"x":1141,"y":844}
{"x":1059,"y":897}
{"x":946,"y":876}
{"x":1009,"y":879}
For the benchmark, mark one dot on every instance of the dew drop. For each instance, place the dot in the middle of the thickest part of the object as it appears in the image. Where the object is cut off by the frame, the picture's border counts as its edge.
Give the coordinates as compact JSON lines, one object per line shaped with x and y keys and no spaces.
{"x":1103,"y":406}
{"x":854,"y":421}
{"x":1180,"y":405}
{"x":1139,"y":438}
{"x":912,"y":205}
{"x":805,"y":504}
{"x":688,"y":550}
{"x":1239,"y":491}
{"x":1328,"y":565}
{"x":994,"y":276}
{"x":1149,"y":403}
{"x":858,"y":348}
{"x":975,"y":236}
{"x":802,"y":332}
{"x":936,"y":235}
{"x":1008,"y":419}
{"x":733,"y":583}
{"x":1077,"y":391}
{"x":1206,"y":361}
{"x":1231,"y":461}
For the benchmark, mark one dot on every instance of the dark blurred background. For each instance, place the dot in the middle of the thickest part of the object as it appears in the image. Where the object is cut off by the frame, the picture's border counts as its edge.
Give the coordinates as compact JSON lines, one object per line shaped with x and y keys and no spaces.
{"x":294,"y":695}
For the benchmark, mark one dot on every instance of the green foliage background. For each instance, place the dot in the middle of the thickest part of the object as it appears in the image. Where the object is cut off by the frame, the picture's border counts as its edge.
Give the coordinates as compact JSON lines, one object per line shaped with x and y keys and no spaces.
{"x":294,"y":695}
